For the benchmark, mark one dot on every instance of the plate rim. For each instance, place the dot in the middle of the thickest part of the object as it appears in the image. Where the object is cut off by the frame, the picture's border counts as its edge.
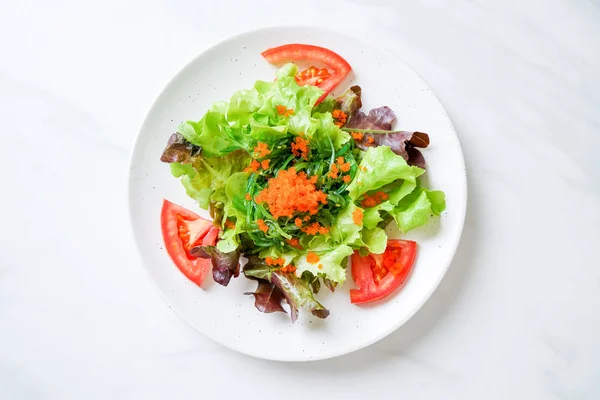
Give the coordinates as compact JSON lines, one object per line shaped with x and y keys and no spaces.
{"x":461,"y":211}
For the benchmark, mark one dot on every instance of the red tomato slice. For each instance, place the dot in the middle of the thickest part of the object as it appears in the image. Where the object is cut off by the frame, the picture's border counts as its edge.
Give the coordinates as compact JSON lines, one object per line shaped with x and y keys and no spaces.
{"x":336,"y":65}
{"x":312,"y":76}
{"x":378,"y":275}
{"x":182,"y":230}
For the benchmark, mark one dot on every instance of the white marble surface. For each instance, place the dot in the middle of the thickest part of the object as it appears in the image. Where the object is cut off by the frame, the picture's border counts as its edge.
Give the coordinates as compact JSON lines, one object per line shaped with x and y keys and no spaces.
{"x":517,"y":316}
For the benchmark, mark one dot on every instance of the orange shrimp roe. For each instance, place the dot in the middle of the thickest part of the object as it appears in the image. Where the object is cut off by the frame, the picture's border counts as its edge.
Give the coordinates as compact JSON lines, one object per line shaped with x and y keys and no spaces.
{"x":283,"y":110}
{"x":288,"y":269}
{"x":340,"y":116}
{"x":298,"y":222}
{"x":363,"y":168}
{"x":290,"y":192}
{"x":262,"y":225}
{"x":300,"y":147}
{"x":369,"y":141}
{"x":294,"y":242}
{"x":248,"y":196}
{"x":312,"y":257}
{"x":261,"y":149}
{"x":264,"y":164}
{"x":357,"y":216}
{"x":275,"y":261}
{"x":334,"y":171}
{"x":357,"y":136}
{"x":315,"y":228}
{"x":345,"y":167}
{"x":320,"y":266}
{"x":340,"y":160}
{"x":346,"y":179}
{"x":253,"y":167}
{"x":229,"y":224}
{"x":374,"y":199}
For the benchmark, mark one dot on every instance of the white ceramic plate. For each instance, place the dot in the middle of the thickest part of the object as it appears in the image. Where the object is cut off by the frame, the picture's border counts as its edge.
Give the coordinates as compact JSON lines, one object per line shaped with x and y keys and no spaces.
{"x":225,"y":314}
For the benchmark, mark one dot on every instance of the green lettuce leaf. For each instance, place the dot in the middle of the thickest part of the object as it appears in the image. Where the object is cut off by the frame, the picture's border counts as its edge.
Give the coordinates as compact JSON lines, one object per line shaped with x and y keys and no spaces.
{"x":379,"y":167}
{"x":213,"y":133}
{"x":251,"y":116}
{"x":195,"y":186}
{"x":344,"y":230}
{"x":330,"y":261}
{"x":415,"y":209}
{"x":404,"y":188}
{"x":234,"y":188}
{"x":242,"y":106}
{"x":327,"y":130}
{"x":372,"y":215}
{"x":272,"y":251}
{"x":375,"y":240}
{"x":205,"y":179}
{"x":396,"y":192}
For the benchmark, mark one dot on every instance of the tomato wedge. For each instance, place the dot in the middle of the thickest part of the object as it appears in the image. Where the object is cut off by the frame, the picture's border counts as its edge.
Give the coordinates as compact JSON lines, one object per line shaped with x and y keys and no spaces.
{"x":337,"y":67}
{"x":182,"y":230}
{"x":378,"y":275}
{"x":312,"y":76}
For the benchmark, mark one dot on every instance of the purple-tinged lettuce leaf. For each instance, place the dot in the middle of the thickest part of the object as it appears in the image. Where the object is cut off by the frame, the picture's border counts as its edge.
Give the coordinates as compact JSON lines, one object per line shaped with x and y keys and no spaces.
{"x":312,"y":280}
{"x":225,"y":265}
{"x":419,"y":139}
{"x":267,"y":297}
{"x":350,"y":102}
{"x":380,"y":118}
{"x":415,"y":157}
{"x":402,"y":143}
{"x":331,"y":285}
{"x":296,"y":291}
{"x":298,"y":294}
{"x":179,"y":150}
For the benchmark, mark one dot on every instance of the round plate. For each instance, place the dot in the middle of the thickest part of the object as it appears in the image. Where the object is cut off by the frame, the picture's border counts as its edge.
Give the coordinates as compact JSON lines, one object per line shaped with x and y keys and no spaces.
{"x":225,"y":314}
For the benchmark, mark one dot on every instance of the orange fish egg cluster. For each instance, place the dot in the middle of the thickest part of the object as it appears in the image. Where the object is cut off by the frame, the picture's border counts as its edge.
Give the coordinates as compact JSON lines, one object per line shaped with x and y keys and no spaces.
{"x":262,"y":225}
{"x":340,"y":165}
{"x":283,"y":110}
{"x":357,"y":136}
{"x":275,"y":261}
{"x":300,"y":147}
{"x":294,"y":242}
{"x":290,"y":193}
{"x":374,"y":199}
{"x":315,"y":228}
{"x":288,"y":269}
{"x":357,"y":216}
{"x":261,"y":150}
{"x":333,"y":172}
{"x":340,"y":117}
{"x":312,"y":257}
{"x":253,"y":167}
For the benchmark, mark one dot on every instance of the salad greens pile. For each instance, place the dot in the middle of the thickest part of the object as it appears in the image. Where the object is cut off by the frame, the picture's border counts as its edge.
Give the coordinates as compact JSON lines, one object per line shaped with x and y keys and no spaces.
{"x":296,"y":187}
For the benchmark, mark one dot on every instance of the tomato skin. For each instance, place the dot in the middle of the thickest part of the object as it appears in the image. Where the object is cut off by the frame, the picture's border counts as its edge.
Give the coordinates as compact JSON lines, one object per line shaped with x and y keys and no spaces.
{"x":378,"y":275}
{"x":174,"y":219}
{"x":310,"y":53}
